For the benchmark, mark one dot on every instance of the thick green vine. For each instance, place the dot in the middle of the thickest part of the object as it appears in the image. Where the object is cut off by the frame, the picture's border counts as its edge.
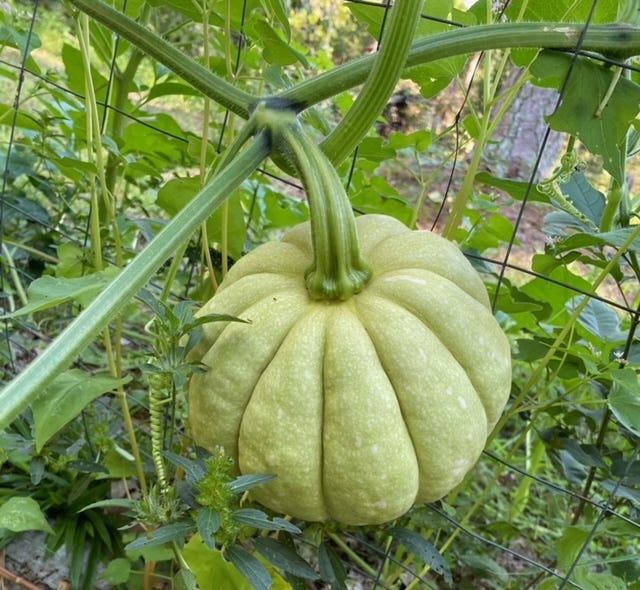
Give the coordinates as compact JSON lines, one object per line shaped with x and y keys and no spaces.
{"x":338,"y":271}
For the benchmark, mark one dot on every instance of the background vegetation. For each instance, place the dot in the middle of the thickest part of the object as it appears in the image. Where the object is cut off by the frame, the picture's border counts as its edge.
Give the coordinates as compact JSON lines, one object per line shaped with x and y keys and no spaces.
{"x":102,"y":146}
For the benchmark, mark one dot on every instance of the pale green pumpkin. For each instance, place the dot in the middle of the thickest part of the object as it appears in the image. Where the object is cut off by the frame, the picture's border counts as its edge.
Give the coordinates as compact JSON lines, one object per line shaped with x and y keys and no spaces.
{"x":362,"y":407}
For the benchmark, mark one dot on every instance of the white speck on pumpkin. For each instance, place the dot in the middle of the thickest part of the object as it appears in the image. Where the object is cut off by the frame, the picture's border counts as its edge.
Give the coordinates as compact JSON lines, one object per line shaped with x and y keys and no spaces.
{"x":462,"y":402}
{"x":449,"y":390}
{"x":460,"y":467}
{"x":375,"y":449}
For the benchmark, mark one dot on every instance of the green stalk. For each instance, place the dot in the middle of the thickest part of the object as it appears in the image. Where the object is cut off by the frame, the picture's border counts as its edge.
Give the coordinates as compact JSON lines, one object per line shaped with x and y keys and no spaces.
{"x":613,"y":40}
{"x":381,"y":82}
{"x":155,"y":46}
{"x":29,"y":384}
{"x":338,"y":271}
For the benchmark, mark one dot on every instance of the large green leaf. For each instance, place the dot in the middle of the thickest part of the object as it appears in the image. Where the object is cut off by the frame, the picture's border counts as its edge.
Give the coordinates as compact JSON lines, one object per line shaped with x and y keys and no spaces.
{"x":624,"y":399}
{"x":65,"y":398}
{"x":48,"y":291}
{"x":212,"y":571}
{"x":598,"y":318}
{"x":562,"y":10}
{"x":601,"y":128}
{"x":21,"y":513}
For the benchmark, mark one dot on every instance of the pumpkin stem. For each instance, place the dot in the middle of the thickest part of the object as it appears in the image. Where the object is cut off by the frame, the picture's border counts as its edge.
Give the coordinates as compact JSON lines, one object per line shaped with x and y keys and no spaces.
{"x":338,"y":270}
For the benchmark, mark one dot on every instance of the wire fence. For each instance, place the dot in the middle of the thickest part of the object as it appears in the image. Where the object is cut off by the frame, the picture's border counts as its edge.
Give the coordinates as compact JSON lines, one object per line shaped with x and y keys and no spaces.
{"x":585,"y":485}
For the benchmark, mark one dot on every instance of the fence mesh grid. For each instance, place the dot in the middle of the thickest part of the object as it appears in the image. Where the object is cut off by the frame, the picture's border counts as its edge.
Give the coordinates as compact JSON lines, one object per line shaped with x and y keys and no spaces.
{"x":25,"y":76}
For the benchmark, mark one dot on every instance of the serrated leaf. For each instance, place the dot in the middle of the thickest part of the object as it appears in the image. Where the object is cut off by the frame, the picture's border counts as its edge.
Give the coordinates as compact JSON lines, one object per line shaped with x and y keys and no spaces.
{"x":255,"y":573}
{"x":48,"y":291}
{"x":425,"y":551}
{"x":259,"y":520}
{"x":21,"y":513}
{"x":284,"y":558}
{"x":165,"y":534}
{"x":585,"y":198}
{"x":208,"y":521}
{"x":65,"y":398}
{"x":332,"y":569}
{"x":624,"y":398}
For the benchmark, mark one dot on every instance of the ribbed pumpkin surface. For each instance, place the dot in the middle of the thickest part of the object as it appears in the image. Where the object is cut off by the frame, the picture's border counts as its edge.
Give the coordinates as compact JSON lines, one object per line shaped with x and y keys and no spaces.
{"x":360,"y":407}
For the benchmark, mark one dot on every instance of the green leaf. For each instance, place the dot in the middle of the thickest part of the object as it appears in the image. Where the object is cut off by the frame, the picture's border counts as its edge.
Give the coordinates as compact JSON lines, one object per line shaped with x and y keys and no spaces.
{"x":624,"y":399}
{"x":22,"y":120}
{"x":284,"y":558}
{"x":258,"y":576}
{"x":604,"y":132}
{"x":598,"y":318}
{"x":112,"y":503}
{"x":171,"y":89}
{"x":65,"y":398}
{"x":616,"y":238}
{"x":165,"y":534}
{"x":176,"y":193}
{"x":424,"y":550}
{"x":562,"y":10}
{"x":516,"y":188}
{"x":212,"y":571}
{"x":25,"y":41}
{"x":48,"y":291}
{"x":332,"y":569}
{"x":194,"y":470}
{"x":570,"y":544}
{"x":22,"y":513}
{"x":587,"y":579}
{"x":274,"y":49}
{"x":117,"y":571}
{"x":278,"y":10}
{"x":243,"y":483}
{"x":208,"y":521}
{"x":586,"y":199}
{"x":259,"y":520}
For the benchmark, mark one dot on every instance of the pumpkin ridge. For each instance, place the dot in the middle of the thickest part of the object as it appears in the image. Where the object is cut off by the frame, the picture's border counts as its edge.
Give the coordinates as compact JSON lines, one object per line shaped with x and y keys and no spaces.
{"x":424,"y":388}
{"x":229,"y":394}
{"x":437,"y":333}
{"x":487,"y":395}
{"x":260,"y":429}
{"x":385,"y":368}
